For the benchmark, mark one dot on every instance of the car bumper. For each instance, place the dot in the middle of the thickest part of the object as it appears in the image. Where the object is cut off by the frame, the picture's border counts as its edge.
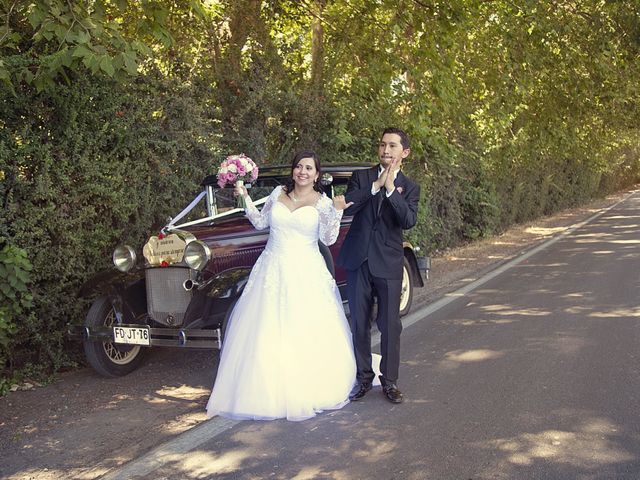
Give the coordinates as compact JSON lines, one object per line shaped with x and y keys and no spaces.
{"x":159,"y":337}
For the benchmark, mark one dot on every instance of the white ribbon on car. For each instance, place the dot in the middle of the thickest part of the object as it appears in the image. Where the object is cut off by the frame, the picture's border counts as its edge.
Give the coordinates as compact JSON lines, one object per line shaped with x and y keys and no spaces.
{"x":187,"y":209}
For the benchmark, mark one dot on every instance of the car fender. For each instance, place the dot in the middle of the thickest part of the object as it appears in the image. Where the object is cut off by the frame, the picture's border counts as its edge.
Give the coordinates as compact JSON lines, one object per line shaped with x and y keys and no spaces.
{"x":410,"y":254}
{"x":212,"y":299}
{"x":126,"y":290}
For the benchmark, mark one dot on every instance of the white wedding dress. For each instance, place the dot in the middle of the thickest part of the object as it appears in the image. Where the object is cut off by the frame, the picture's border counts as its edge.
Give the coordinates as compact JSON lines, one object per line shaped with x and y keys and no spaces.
{"x":287,"y":352}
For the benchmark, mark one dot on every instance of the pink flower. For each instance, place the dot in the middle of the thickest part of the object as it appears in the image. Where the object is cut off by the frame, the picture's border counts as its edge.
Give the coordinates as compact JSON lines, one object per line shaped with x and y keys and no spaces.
{"x":236,"y":167}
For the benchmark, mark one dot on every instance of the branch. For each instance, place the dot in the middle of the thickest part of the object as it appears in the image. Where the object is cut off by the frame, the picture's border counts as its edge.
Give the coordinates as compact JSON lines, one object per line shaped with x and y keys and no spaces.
{"x":312,"y":12}
{"x":7,"y":22}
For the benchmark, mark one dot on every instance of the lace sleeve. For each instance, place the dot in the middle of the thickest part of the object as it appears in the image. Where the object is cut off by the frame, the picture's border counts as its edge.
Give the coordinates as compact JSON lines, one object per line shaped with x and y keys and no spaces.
{"x":261,"y":219}
{"x":329,"y":221}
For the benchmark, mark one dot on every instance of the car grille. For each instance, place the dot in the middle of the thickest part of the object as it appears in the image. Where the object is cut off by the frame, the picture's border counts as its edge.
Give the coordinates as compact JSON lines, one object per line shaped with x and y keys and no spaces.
{"x":167,"y":300}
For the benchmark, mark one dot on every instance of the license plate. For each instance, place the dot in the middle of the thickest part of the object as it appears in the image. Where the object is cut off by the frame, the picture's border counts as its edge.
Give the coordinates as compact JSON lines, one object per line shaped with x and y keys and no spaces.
{"x":132,"y":335}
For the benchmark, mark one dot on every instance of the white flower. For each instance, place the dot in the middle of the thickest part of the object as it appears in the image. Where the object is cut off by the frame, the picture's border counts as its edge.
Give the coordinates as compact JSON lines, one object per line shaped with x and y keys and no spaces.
{"x":223,"y":170}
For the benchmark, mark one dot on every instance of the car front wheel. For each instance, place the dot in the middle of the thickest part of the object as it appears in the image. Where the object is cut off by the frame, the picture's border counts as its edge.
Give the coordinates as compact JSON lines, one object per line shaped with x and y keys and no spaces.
{"x":107,"y":358}
{"x":406,"y":294}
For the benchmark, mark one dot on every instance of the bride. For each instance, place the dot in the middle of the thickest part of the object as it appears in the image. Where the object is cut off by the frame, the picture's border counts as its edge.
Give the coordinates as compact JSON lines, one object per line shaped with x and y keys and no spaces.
{"x":287,"y":352}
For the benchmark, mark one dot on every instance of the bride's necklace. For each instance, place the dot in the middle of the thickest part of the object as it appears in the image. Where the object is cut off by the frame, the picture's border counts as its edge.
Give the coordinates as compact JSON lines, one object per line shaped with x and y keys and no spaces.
{"x":296,"y":199}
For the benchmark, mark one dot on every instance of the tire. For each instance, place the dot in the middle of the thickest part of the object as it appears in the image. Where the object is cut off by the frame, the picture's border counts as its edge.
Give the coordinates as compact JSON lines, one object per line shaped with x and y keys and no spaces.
{"x":406,"y":294}
{"x":106,"y":357}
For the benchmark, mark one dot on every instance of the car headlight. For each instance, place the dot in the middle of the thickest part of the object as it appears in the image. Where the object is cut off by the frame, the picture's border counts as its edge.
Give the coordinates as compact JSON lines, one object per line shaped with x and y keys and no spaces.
{"x":197,"y":255}
{"x":124,"y":258}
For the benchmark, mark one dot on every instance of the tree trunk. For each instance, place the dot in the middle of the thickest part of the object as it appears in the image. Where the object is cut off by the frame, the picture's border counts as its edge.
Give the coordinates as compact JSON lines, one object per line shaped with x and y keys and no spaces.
{"x":317,"y":49}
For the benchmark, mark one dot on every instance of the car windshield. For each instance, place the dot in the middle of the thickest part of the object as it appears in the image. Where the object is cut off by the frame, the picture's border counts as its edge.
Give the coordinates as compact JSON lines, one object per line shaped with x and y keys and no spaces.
{"x":224,"y":199}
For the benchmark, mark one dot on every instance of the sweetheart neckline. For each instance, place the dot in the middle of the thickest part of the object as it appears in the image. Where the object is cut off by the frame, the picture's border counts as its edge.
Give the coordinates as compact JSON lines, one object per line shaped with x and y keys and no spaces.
{"x":295,"y":209}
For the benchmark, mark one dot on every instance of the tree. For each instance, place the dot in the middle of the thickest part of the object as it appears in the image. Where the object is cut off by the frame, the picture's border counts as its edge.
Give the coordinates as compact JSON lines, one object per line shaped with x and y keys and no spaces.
{"x":48,"y":40}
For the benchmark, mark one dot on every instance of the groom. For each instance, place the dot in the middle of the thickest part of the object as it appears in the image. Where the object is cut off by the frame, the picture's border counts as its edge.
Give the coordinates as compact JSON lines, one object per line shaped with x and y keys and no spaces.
{"x":385,"y":204}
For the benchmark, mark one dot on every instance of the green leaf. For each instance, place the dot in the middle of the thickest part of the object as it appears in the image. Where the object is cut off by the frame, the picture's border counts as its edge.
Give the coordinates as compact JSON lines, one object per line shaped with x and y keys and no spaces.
{"x":26,"y":301}
{"x":35,"y":17}
{"x":48,"y":34}
{"x":4,"y":74}
{"x":94,"y":64}
{"x":162,"y":35}
{"x":14,"y":38}
{"x":6,"y":289}
{"x":61,"y":32}
{"x":140,"y":47}
{"x":81,"y":51}
{"x":90,"y":24}
{"x":54,"y":9}
{"x":23,"y":276}
{"x":27,"y":75}
{"x":41,"y":82}
{"x":83,"y":37}
{"x":106,"y":65}
{"x":130,"y":62}
{"x":88,"y":60}
{"x":198,"y":8}
{"x":66,"y":58}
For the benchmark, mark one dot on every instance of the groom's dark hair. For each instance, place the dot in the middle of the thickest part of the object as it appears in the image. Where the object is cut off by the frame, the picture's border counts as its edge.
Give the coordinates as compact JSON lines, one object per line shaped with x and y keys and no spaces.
{"x":404,"y":138}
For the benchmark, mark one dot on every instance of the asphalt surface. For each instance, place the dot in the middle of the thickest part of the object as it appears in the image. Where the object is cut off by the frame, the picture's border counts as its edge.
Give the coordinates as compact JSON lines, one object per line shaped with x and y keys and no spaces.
{"x":529,"y":373}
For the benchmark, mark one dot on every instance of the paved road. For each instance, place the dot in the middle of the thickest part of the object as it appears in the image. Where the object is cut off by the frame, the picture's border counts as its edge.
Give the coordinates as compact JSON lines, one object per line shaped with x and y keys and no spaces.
{"x":83,"y":426}
{"x":530,"y":373}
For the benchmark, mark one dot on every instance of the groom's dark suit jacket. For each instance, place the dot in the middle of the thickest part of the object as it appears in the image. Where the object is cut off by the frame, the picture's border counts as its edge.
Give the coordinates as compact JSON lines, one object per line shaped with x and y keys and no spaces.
{"x":376,"y":232}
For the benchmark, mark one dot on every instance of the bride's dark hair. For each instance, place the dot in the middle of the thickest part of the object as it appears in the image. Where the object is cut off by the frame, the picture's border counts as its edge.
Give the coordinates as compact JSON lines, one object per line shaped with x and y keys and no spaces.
{"x":289,"y":184}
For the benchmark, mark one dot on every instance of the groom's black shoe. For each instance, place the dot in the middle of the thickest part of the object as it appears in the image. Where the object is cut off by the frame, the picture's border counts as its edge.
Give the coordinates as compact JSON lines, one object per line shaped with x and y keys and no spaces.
{"x":359,"y":391}
{"x":391,"y":391}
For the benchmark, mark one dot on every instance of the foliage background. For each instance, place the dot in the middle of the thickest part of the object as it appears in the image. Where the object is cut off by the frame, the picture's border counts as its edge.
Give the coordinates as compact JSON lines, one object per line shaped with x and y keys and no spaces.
{"x":111,"y":112}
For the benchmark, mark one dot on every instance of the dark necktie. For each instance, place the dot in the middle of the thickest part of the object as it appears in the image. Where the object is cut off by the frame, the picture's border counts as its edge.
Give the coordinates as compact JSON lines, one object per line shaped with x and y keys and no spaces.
{"x":381,"y":195}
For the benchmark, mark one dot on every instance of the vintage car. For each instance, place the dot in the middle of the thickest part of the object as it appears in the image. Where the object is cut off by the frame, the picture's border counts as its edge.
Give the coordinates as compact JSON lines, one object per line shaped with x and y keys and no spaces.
{"x":181,"y":290}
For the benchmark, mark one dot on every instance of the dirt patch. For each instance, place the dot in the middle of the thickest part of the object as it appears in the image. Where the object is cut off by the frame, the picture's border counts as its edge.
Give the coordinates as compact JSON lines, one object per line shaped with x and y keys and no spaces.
{"x":84,"y":425}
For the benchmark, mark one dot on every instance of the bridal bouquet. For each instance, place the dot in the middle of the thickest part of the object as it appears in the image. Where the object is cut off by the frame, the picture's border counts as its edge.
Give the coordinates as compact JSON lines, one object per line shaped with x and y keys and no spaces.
{"x":237,"y":169}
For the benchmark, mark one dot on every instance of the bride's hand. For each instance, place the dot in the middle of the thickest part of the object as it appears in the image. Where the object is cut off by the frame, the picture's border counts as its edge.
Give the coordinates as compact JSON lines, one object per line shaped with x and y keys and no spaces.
{"x":340,"y":203}
{"x":240,"y":190}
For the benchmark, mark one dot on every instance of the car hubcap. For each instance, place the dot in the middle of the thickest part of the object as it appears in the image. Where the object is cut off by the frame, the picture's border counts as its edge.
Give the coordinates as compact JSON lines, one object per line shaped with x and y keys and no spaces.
{"x":404,"y":293}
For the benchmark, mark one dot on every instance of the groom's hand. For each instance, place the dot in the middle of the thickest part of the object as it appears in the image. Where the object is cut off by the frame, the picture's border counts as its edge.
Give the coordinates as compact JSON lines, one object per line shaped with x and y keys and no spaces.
{"x":391,"y":175}
{"x":379,"y":183}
